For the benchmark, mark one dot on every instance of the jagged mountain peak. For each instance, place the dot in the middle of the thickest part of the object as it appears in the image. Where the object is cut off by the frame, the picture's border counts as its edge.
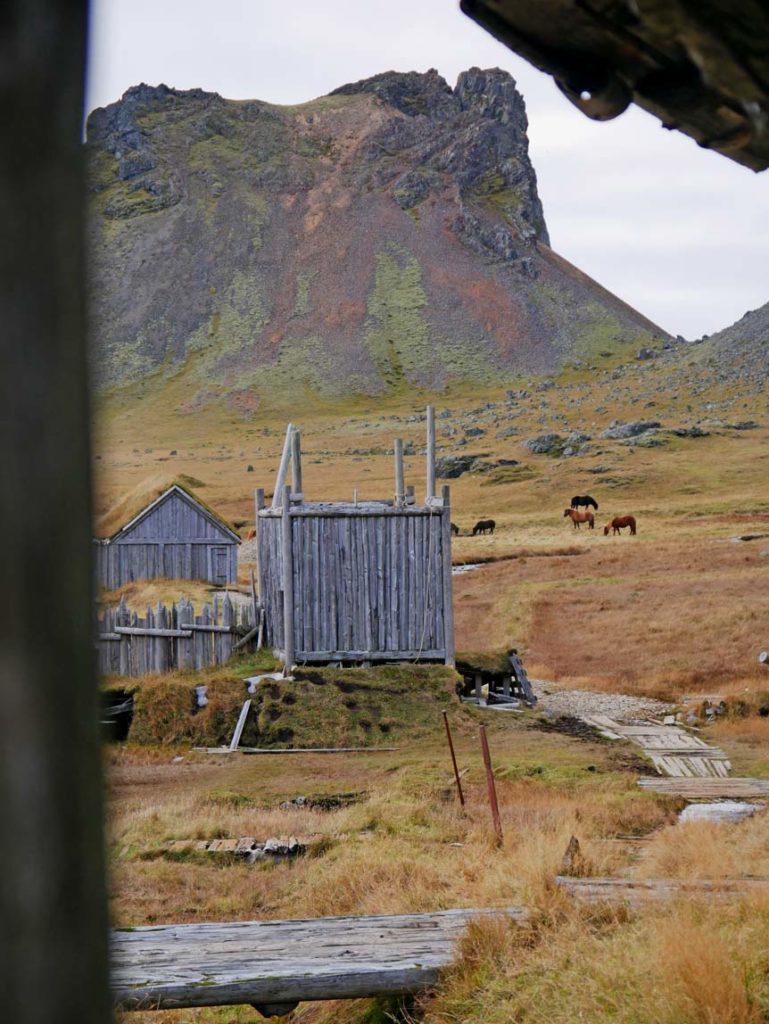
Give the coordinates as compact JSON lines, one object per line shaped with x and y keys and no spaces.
{"x":389,"y":234}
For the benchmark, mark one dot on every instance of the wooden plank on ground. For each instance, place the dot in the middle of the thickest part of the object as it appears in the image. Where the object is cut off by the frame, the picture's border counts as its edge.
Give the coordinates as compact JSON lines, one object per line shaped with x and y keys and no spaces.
{"x":282,"y":962}
{"x":708,"y":788}
{"x":632,"y":890}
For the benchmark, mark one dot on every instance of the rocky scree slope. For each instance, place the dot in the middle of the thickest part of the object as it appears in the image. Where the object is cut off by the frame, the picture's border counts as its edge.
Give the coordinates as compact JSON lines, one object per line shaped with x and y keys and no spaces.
{"x":386,"y":236}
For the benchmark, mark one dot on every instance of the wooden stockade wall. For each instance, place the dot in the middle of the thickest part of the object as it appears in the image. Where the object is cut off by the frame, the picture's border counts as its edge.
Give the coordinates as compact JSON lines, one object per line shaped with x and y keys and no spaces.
{"x":356,"y":581}
{"x":170,"y":638}
{"x":367,"y":581}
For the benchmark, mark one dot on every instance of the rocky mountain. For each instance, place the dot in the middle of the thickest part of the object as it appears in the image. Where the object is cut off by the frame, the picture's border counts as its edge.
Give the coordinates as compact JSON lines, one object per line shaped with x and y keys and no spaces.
{"x":388,"y":235}
{"x":742,"y":350}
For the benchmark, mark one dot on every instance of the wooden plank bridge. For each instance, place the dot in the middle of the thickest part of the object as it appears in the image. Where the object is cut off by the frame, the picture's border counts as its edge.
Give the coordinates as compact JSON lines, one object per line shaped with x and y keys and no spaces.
{"x":273,"y":965}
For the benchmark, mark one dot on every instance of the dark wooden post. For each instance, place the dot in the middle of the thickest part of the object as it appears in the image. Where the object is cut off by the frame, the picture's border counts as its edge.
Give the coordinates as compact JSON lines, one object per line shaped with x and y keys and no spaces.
{"x":53,"y":955}
{"x":453,"y":759}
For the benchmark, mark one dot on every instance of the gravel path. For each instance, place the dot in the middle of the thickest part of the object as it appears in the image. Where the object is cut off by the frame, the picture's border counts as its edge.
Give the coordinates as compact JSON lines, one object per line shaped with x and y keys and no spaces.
{"x":575,"y":703}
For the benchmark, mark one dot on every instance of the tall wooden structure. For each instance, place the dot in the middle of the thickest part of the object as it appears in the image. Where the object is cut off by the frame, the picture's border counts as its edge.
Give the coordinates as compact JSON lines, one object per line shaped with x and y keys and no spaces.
{"x":360,"y":581}
{"x":174,"y":536}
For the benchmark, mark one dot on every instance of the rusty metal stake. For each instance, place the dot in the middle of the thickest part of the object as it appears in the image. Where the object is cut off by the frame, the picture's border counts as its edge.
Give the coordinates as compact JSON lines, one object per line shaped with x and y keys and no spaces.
{"x":453,"y":759}
{"x":490,"y":786}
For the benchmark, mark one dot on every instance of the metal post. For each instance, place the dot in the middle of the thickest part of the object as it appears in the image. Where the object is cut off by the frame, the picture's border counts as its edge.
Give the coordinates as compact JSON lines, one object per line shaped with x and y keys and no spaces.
{"x":492,"y":789}
{"x":430,"y":452}
{"x":296,"y":463}
{"x":288,"y":583}
{"x":453,"y":758}
{"x":400,"y":489}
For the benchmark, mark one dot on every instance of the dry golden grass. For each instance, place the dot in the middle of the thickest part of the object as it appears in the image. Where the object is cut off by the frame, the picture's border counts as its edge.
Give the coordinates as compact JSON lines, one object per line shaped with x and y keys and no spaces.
{"x":676,"y":610}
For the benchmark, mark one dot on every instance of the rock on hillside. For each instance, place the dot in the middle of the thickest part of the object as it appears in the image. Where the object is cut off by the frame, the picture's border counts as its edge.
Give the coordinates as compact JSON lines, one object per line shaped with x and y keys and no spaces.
{"x":387,"y":235}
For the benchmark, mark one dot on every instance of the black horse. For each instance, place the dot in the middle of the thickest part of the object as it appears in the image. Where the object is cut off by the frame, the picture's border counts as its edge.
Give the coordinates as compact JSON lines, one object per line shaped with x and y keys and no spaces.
{"x":585,"y":500}
{"x":484,"y":526}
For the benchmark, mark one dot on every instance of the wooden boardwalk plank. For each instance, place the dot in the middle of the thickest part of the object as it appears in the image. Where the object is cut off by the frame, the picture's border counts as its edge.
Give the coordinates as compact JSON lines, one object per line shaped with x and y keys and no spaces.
{"x":282,"y":962}
{"x":708,"y":788}
{"x":632,"y":890}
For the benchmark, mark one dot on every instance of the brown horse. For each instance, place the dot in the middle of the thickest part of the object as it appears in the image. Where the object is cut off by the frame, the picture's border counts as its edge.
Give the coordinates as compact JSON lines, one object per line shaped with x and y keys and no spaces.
{"x":578,"y":518}
{"x":619,"y":523}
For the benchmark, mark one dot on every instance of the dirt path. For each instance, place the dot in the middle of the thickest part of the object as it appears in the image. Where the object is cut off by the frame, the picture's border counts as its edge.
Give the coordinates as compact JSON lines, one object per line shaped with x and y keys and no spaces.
{"x":551,"y":700}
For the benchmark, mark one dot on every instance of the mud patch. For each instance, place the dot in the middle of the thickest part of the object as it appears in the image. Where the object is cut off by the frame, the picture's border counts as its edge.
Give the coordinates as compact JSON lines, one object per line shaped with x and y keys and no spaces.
{"x":569,"y":726}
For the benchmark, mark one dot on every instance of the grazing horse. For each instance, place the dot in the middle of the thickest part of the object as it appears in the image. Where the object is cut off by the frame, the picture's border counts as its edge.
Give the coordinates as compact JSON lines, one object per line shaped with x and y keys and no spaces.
{"x":584,"y":500}
{"x":577,"y":518}
{"x":455,"y":529}
{"x":619,"y":523}
{"x":484,"y":526}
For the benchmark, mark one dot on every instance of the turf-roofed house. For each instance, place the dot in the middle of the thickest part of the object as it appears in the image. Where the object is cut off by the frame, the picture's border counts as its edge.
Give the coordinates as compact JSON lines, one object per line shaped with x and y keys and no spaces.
{"x":164,"y":532}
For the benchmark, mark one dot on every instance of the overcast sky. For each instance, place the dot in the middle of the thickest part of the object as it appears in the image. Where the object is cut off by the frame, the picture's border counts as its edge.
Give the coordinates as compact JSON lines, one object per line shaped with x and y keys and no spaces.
{"x":676,"y":231}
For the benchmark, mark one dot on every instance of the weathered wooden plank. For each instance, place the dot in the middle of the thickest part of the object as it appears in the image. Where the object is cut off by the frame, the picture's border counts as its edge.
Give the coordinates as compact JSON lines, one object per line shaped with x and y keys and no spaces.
{"x":174,"y":966}
{"x":708,"y":788}
{"x":279,"y":493}
{"x":288,"y":583}
{"x":448,"y":601}
{"x":430,"y":454}
{"x":430,"y":654}
{"x":631,"y":890}
{"x":235,"y":741}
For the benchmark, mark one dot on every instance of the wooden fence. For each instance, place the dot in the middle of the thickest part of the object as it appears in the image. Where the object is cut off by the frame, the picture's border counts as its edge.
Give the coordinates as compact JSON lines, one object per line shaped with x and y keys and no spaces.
{"x":170,"y":638}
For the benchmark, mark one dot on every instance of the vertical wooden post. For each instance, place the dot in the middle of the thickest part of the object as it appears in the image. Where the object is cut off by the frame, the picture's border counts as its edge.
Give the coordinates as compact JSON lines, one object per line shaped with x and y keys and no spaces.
{"x":258,"y":506}
{"x":448,"y":592}
{"x":430,"y":453}
{"x":491,"y":787}
{"x":453,"y":759}
{"x":296,"y":462}
{"x":400,"y":489}
{"x":282,"y":468}
{"x":288,"y":583}
{"x":53,"y":964}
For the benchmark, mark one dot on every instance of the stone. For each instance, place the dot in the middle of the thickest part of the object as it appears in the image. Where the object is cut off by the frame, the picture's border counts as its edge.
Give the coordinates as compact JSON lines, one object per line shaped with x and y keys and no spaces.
{"x":618,"y":430}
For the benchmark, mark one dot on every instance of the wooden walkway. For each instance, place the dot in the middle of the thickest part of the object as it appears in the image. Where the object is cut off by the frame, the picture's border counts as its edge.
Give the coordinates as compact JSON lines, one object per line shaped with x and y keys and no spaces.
{"x":273,"y":965}
{"x":672,"y":750}
{"x":694,"y":769}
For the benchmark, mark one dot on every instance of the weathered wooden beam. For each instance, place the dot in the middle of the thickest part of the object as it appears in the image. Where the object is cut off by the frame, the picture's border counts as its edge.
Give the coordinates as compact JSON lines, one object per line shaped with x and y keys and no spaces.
{"x":283,"y":962}
{"x":296,"y":464}
{"x":280,"y":480}
{"x":432,"y":654}
{"x":53,"y":964}
{"x":430,"y":455}
{"x":633,"y":890}
{"x":241,"y":724}
{"x":288,"y":584}
{"x":147,"y":631}
{"x":400,"y":488}
{"x":447,"y":581}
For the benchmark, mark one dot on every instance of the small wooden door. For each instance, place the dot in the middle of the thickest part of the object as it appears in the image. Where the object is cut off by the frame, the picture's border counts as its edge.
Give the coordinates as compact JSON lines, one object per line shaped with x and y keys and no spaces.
{"x":220,"y":565}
